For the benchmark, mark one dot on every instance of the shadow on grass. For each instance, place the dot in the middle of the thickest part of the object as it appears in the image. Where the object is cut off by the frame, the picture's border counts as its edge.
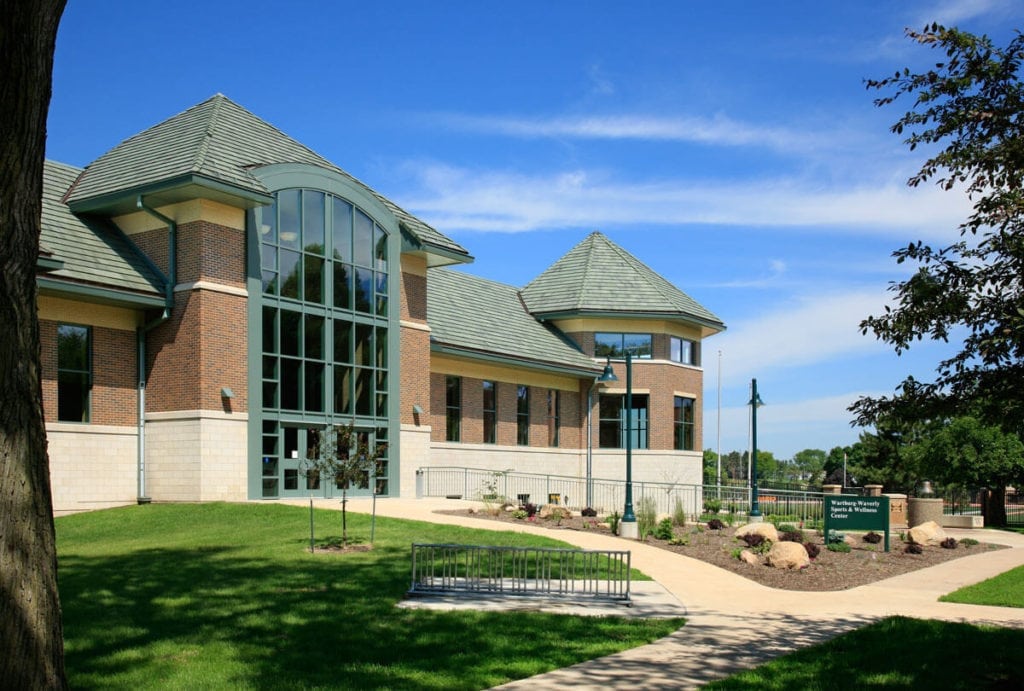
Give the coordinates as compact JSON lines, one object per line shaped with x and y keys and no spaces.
{"x":221,"y":615}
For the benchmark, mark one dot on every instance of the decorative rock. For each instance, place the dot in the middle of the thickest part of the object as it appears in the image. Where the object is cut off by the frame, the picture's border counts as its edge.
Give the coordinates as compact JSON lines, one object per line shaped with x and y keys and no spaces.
{"x":851,"y":540}
{"x":473,"y":509}
{"x":553,"y":511}
{"x":788,"y":555}
{"x":930,"y":533}
{"x":749,"y":557}
{"x":765,"y":530}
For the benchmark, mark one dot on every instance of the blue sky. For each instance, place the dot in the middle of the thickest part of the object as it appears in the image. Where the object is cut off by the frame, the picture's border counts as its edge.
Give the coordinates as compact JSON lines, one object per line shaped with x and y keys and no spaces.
{"x":731,"y":146}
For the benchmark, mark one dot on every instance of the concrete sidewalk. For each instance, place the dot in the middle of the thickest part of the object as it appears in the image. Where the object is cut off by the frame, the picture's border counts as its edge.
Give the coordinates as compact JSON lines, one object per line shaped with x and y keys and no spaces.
{"x":734,"y":623}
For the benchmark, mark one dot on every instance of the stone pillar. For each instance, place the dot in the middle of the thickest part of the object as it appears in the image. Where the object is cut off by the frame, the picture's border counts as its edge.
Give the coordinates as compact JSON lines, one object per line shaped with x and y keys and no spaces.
{"x":831,"y":489}
{"x":921,"y":510}
{"x":897,"y":511}
{"x":874,"y":490}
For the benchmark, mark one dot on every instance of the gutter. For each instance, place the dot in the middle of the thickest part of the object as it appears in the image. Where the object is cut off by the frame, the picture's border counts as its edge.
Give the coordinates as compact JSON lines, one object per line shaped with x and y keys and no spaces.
{"x":140,"y":336}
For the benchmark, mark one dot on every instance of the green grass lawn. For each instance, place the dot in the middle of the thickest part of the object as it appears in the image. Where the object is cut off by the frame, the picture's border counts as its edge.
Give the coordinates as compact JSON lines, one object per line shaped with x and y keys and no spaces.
{"x":898,"y":653}
{"x":1004,"y":590}
{"x":228,"y":596}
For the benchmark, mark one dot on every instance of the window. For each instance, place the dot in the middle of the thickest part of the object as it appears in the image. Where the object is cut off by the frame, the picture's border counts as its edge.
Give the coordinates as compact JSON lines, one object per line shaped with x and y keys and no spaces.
{"x":616,"y":345}
{"x":523,"y":415}
{"x":453,"y":408}
{"x":612,"y":421}
{"x":74,"y":372}
{"x":683,"y":351}
{"x":490,"y":412}
{"x":324,"y":315}
{"x":684,"y":424}
{"x":554,"y":415}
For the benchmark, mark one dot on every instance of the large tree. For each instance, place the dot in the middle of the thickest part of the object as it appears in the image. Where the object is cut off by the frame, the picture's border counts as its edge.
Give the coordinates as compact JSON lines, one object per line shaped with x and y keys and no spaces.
{"x":968,"y":111}
{"x":31,"y":639}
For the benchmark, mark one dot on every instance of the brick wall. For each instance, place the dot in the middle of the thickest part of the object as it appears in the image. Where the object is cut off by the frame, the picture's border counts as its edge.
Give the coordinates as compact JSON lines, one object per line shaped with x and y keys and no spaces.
{"x":661,"y":380}
{"x":414,"y":344}
{"x":113,"y":398}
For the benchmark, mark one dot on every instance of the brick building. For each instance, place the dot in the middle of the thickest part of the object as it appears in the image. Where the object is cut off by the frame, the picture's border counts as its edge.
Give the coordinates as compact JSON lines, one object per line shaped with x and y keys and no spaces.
{"x":213,"y":295}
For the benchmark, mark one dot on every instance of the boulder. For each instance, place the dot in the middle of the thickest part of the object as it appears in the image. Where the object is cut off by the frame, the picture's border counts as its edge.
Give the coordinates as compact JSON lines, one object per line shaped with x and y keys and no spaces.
{"x":788,"y":555}
{"x":749,"y":557}
{"x":553,"y":511}
{"x":766,"y":530}
{"x":930,"y":533}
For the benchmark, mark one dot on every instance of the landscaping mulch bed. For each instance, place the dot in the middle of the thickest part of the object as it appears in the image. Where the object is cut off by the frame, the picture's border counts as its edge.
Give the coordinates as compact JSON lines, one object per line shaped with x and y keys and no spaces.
{"x":865,"y":563}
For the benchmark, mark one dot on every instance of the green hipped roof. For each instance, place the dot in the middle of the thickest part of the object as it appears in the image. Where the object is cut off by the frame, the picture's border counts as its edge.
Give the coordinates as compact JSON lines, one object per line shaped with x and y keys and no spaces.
{"x":90,"y":253}
{"x":475,"y":317}
{"x":215,"y":143}
{"x":600,"y":278}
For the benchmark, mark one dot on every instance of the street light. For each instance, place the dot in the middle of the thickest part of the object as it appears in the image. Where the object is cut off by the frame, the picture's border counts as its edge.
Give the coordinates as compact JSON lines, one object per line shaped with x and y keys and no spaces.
{"x":607,"y":376}
{"x":628,"y":527}
{"x":755,"y":403}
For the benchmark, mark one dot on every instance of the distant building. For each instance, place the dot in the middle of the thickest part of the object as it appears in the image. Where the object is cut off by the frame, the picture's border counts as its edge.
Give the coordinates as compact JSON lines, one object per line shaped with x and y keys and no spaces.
{"x":213,"y":294}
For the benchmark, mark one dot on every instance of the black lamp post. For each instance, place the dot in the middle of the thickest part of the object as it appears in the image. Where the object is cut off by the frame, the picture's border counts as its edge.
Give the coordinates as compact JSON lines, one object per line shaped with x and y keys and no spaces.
{"x":628,"y":527}
{"x":755,"y":403}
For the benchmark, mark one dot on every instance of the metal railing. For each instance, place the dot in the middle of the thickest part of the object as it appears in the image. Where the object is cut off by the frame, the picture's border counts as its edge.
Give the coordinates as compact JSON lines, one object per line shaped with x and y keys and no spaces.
{"x":529,"y":571}
{"x":609,"y":495}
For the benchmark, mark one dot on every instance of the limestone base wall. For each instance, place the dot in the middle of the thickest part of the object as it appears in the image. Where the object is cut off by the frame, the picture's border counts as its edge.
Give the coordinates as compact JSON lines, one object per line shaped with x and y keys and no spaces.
{"x":196,"y":456}
{"x":92,"y":466}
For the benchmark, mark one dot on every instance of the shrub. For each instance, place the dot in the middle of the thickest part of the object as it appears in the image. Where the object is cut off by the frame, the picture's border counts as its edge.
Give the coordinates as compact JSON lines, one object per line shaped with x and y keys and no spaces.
{"x":679,"y":513}
{"x":530,"y":509}
{"x":735,"y":554}
{"x":753,"y":540}
{"x":968,"y":542}
{"x":913,"y":548}
{"x":646,"y":516}
{"x":713,"y":505}
{"x":873,"y":537}
{"x":613,"y":522}
{"x":812,"y":549}
{"x":835,"y":537}
{"x":838,"y":547}
{"x":588,"y":512}
{"x":664,"y":529}
{"x":519,"y":514}
{"x":715,"y":524}
{"x":948,"y":543}
{"x":730,"y":519}
{"x":792,"y":536}
{"x":679,"y":542}
{"x":786,"y":528}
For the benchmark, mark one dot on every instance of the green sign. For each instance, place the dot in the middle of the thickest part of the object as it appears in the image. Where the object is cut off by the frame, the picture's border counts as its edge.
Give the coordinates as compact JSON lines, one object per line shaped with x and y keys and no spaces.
{"x":846,"y":512}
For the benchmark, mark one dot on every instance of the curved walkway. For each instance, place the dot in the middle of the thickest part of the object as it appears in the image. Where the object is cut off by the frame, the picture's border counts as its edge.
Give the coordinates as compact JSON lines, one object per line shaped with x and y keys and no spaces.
{"x":734,"y":623}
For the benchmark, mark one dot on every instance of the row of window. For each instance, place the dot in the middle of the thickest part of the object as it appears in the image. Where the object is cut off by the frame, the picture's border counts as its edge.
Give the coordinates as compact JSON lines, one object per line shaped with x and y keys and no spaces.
{"x":612,"y":417}
{"x":640,"y":346}
{"x":453,"y":412}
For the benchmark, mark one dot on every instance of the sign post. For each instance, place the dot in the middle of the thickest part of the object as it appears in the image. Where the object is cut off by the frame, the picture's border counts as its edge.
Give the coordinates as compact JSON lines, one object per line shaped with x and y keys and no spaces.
{"x":844,"y":512}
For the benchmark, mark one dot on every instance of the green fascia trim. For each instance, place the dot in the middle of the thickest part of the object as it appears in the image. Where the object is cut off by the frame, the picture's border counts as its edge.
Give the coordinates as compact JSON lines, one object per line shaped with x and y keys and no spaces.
{"x":413,"y":244}
{"x":92,"y":293}
{"x":125,"y":199}
{"x":45,"y":264}
{"x":499,"y":359}
{"x":676,"y":316}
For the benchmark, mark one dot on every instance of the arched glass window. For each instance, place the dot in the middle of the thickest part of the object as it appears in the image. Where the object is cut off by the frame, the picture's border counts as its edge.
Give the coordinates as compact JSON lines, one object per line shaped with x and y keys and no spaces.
{"x":325,"y":302}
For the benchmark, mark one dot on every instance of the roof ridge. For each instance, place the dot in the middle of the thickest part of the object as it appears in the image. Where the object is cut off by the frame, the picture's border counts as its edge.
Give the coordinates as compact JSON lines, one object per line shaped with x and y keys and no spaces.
{"x":592,"y":238}
{"x":211,"y":125}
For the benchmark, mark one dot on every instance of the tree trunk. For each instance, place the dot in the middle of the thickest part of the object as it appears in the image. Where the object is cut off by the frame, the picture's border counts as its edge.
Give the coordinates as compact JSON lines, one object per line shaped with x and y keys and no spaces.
{"x":31,"y":636}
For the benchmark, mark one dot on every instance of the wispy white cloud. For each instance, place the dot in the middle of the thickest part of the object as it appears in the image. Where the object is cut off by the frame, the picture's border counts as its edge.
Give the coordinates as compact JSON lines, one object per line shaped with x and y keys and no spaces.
{"x":719,"y":130}
{"x":955,"y":12}
{"x":812,"y":330}
{"x":600,"y":84}
{"x":457,"y":199}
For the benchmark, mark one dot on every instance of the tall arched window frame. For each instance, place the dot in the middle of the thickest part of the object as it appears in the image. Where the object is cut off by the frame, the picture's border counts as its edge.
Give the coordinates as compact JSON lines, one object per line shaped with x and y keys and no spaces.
{"x":324,"y":316}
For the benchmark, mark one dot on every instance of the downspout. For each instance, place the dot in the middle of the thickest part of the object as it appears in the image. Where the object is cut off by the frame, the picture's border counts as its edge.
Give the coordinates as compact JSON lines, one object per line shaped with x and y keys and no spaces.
{"x":140,"y":334}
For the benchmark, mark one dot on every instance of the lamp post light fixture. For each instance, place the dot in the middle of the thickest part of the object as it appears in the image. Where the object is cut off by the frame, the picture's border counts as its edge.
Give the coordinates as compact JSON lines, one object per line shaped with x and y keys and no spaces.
{"x":627,"y":526}
{"x":607,"y":376}
{"x":755,"y":403}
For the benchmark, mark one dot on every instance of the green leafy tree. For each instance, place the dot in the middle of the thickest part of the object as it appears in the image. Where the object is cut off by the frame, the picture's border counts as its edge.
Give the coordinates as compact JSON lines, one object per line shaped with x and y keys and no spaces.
{"x":810,"y":464}
{"x":970,"y":454}
{"x":345,"y":457}
{"x":969,"y":109}
{"x":710,"y":467}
